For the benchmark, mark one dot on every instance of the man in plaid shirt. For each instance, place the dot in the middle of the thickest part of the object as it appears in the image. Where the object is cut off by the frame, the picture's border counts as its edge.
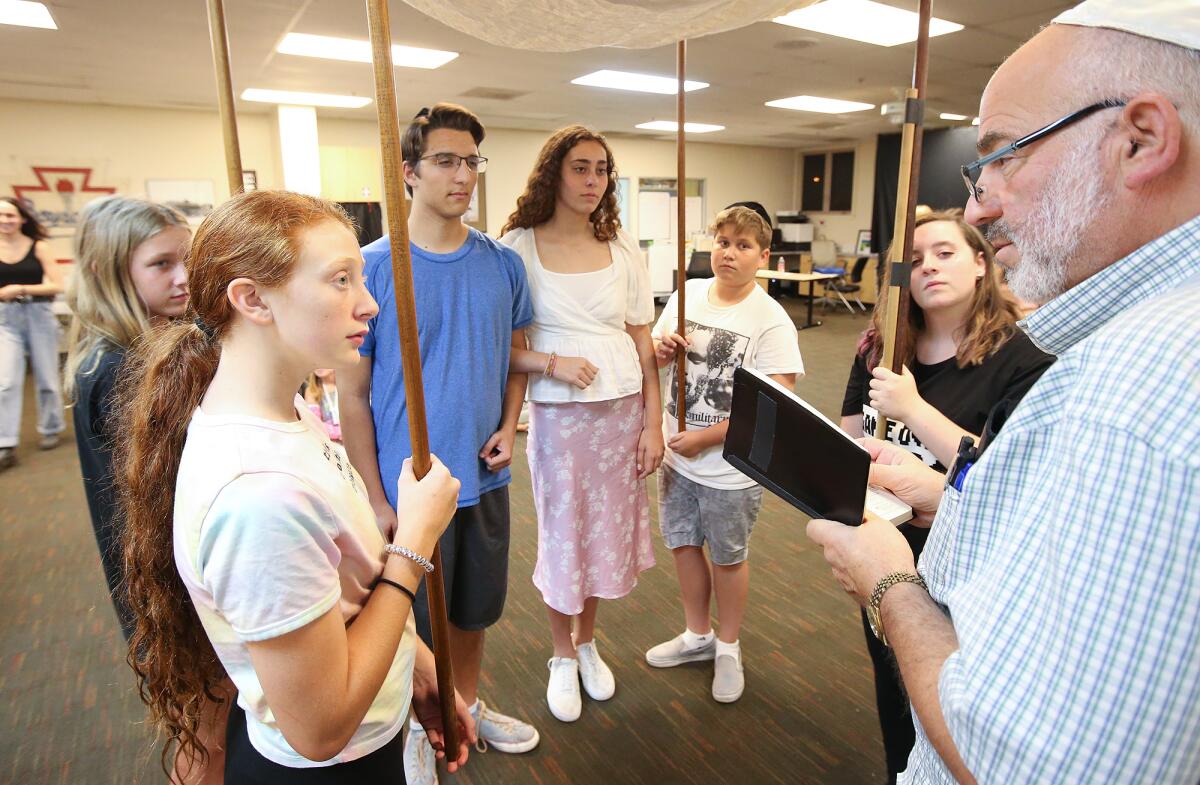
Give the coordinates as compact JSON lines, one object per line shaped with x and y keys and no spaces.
{"x":1059,"y":638}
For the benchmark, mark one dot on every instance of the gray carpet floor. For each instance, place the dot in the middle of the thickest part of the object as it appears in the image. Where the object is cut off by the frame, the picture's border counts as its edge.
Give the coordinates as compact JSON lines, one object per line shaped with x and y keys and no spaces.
{"x":71,"y":715}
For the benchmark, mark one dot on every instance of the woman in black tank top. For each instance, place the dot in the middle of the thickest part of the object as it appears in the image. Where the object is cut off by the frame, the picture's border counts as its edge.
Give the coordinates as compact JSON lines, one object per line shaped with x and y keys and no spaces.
{"x":29,"y":281}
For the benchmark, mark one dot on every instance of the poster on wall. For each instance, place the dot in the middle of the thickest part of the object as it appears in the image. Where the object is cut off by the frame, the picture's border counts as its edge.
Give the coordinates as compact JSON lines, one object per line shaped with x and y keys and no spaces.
{"x":193,"y":198}
{"x":60,"y":193}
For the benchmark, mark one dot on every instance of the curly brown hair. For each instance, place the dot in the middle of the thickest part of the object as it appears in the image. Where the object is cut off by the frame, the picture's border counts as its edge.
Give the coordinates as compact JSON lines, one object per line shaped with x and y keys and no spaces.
{"x":536,"y":205}
{"x":992,"y":320}
{"x":254,"y":235}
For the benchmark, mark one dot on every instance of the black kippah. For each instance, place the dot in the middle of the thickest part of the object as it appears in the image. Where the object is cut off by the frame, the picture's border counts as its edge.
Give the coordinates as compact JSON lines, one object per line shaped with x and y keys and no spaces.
{"x":756,"y":207}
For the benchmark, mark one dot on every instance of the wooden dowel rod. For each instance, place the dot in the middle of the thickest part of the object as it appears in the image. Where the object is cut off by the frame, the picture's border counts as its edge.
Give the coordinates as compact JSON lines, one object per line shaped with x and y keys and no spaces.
{"x":681,"y":230}
{"x":895,"y":325}
{"x":410,"y":350}
{"x":220,"y":52}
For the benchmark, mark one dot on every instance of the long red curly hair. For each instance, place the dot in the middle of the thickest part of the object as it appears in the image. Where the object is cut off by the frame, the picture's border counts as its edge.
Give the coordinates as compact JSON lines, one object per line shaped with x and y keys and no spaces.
{"x":254,"y":235}
{"x":536,"y":205}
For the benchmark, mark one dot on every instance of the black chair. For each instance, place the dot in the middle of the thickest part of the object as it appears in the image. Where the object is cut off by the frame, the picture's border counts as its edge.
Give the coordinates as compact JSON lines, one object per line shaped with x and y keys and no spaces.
{"x":854,"y":286}
{"x":700,"y":265}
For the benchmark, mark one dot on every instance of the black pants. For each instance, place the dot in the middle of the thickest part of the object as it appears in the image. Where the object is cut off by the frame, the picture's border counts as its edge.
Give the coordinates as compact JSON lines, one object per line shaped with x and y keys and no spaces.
{"x":244,"y":765}
{"x":895,"y":715}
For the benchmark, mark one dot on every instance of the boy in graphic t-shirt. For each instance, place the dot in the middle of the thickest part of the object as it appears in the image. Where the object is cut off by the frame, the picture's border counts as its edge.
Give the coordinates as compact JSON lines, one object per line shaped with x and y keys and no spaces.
{"x":731,"y":322}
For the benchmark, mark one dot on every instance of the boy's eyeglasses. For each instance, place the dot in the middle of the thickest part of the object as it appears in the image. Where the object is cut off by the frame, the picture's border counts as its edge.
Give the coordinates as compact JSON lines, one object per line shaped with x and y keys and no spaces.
{"x":972,"y":171}
{"x":451,"y":162}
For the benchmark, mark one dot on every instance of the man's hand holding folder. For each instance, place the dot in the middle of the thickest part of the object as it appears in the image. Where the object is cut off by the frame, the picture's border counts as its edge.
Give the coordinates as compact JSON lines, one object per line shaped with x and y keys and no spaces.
{"x":897,"y":470}
{"x":861,"y":555}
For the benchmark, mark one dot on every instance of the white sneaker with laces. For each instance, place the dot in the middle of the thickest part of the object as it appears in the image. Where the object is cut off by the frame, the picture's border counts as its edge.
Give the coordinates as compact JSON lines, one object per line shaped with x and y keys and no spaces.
{"x":562,"y":692}
{"x":504,"y":733}
{"x":595,"y":674}
{"x":420,"y":763}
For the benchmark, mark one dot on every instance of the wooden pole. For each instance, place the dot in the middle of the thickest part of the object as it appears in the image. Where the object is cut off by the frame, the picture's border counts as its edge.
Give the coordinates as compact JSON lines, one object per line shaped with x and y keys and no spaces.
{"x":681,"y":227}
{"x":220,"y":52}
{"x":900,"y":259}
{"x":410,"y":351}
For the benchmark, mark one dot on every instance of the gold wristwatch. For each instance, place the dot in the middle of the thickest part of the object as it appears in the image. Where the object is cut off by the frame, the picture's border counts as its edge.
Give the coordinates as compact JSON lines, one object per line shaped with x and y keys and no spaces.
{"x":885,"y":583}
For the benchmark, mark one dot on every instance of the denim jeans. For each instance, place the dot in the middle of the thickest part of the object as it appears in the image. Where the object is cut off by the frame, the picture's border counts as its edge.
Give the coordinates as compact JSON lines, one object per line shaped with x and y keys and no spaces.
{"x":29,"y":328}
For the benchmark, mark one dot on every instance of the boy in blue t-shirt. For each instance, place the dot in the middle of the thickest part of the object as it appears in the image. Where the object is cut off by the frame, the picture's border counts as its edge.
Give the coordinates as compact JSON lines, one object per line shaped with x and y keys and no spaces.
{"x":473,"y":304}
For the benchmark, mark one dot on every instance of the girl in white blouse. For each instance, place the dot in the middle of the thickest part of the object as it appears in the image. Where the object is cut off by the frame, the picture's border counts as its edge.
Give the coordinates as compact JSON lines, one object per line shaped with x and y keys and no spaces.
{"x":595,"y":410}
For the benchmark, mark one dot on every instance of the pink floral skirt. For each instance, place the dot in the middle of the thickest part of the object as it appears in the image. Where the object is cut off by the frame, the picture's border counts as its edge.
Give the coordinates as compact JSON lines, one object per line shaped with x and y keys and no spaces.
{"x":593,"y":514}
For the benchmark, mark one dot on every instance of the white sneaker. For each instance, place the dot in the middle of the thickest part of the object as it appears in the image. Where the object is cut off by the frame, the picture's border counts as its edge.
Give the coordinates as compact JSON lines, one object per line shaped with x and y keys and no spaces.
{"x":728,"y":679}
{"x":675,"y":652}
{"x":420,"y":763}
{"x":596,"y":676}
{"x":562,"y":693}
{"x":504,"y":733}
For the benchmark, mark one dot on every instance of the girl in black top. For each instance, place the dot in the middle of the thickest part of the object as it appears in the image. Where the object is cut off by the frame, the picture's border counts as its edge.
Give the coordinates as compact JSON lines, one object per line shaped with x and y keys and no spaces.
{"x":129,"y":275}
{"x":29,"y":280}
{"x":964,"y":354}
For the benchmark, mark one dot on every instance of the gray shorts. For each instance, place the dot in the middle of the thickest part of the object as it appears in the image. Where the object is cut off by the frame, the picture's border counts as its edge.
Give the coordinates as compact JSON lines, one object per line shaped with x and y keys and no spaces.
{"x":692,"y":514}
{"x":474,"y":566}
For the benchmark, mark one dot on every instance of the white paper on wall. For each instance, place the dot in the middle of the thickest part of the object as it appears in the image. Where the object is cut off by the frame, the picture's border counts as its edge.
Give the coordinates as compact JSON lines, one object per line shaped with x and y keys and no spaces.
{"x":654,"y":215}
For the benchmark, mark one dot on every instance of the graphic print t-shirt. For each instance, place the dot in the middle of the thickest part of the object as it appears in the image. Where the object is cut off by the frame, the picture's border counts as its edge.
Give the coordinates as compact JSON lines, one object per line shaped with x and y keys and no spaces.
{"x":756,"y":333}
{"x":964,"y":395}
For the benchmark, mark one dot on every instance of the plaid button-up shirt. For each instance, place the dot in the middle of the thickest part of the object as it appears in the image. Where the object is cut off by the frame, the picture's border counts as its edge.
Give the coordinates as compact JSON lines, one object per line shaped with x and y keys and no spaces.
{"x":1070,"y":561}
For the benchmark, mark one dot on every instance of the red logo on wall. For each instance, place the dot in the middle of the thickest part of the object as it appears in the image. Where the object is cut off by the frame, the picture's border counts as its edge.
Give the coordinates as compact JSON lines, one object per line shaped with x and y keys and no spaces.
{"x":60,"y":193}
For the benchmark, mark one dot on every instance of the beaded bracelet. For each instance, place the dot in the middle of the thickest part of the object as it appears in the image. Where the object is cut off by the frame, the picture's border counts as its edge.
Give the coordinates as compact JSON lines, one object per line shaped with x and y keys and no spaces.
{"x":551,"y":364}
{"x":410,"y":554}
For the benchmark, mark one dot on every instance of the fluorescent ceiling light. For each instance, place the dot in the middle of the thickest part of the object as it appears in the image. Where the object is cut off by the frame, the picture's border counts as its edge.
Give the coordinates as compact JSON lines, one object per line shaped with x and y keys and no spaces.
{"x":949,"y":116}
{"x":812,"y":103}
{"x":863,"y":20}
{"x":672,"y":126}
{"x":304,"y":99}
{"x":642,"y":83}
{"x":357,"y":51}
{"x":975,"y":121}
{"x":26,"y":14}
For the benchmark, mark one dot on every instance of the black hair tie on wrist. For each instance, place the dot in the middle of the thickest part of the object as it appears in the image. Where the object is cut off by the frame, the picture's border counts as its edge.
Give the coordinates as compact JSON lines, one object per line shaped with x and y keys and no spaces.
{"x":412,"y":597}
{"x":209,"y":333}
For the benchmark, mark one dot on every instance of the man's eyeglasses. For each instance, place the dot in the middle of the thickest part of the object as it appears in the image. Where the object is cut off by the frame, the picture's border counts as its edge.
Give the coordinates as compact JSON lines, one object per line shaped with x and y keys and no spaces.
{"x":451,"y":162}
{"x":972,"y":171}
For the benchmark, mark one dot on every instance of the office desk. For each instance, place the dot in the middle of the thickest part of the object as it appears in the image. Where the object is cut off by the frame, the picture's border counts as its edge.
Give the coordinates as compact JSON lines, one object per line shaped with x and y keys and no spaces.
{"x":811,"y":278}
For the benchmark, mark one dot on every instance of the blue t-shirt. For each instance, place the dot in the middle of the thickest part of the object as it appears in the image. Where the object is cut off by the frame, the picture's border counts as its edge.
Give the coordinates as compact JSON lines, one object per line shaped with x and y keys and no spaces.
{"x":469,"y":302}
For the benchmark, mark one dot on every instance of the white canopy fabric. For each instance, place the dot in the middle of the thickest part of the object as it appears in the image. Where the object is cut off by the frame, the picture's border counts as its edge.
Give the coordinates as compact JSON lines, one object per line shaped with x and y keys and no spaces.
{"x":571,"y":25}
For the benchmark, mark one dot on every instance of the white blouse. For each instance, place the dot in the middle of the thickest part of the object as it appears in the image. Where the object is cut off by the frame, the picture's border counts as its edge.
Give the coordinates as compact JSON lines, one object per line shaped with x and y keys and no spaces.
{"x":584,"y":315}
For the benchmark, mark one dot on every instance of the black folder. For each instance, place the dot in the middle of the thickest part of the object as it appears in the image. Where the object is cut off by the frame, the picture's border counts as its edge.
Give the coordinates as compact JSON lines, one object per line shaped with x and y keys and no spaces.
{"x":793,"y":450}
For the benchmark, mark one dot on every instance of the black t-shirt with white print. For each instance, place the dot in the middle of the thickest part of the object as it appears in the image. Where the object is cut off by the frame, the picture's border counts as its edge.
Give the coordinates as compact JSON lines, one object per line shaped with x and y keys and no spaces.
{"x":964,"y":395}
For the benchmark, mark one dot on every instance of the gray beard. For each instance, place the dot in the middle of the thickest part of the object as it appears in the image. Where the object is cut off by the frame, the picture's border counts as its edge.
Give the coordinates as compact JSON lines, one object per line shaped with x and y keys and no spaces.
{"x":1049,"y":239}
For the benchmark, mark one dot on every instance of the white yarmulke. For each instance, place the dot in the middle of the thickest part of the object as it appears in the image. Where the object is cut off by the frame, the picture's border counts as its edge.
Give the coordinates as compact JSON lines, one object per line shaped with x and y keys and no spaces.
{"x":1174,"y":21}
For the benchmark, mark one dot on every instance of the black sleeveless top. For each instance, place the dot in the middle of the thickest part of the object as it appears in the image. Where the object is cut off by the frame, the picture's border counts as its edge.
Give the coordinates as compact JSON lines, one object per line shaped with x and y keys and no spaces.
{"x":27,"y":272}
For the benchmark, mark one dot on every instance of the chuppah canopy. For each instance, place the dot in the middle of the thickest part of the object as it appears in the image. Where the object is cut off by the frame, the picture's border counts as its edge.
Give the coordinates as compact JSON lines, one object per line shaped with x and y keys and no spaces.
{"x":571,"y":25}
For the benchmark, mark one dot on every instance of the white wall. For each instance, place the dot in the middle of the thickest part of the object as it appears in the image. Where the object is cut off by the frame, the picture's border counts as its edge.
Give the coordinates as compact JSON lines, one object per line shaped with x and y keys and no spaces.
{"x":350,"y":162}
{"x":125,"y":146}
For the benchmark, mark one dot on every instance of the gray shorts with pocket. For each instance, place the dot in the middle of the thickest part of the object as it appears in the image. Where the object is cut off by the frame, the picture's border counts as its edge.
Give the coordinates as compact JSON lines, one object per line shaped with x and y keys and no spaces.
{"x":474,"y":566}
{"x":693,"y":514}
